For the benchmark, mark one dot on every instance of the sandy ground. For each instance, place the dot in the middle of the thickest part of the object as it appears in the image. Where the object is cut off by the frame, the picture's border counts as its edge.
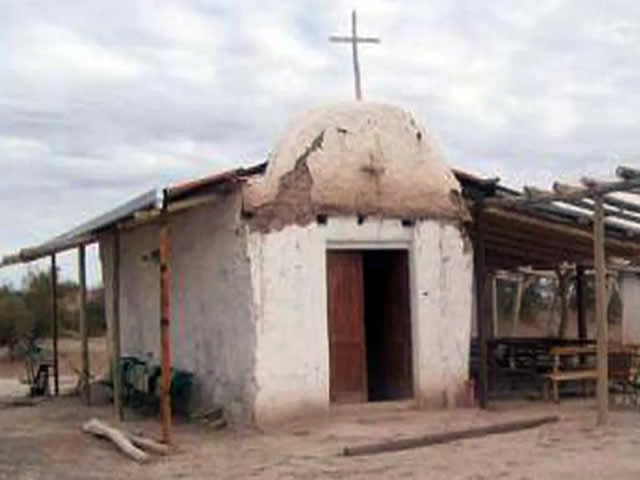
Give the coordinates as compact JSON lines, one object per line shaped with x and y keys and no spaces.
{"x":45,"y":442}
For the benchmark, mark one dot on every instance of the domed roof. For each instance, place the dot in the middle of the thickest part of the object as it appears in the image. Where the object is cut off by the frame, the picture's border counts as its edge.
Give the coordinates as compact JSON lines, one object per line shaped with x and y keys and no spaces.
{"x":360,"y":158}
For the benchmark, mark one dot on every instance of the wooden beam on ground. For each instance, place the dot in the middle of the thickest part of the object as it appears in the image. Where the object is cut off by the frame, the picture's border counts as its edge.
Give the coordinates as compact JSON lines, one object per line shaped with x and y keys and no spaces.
{"x":446,"y":437}
{"x":54,"y":323}
{"x":84,"y":330}
{"x":601,"y":314}
{"x":482,"y":320}
{"x":165,"y":332}
{"x":115,"y":330}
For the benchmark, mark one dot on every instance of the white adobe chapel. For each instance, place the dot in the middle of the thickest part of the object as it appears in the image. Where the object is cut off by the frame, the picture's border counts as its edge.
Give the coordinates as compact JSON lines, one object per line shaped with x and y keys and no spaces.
{"x":340,"y":272}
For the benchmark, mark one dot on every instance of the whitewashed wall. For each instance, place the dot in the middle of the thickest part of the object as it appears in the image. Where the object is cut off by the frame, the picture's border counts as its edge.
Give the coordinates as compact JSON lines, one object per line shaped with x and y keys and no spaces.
{"x":211,"y":330}
{"x":288,"y":270}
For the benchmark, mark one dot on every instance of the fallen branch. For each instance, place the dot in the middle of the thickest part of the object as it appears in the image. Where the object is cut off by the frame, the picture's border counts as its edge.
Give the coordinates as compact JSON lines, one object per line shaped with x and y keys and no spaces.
{"x":100,"y":429}
{"x":438,"y":438}
{"x":148,"y":444}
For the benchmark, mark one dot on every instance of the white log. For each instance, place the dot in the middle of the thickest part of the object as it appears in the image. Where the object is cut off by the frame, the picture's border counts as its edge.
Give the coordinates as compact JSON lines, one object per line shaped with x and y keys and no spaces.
{"x":149,"y":444}
{"x":100,"y":429}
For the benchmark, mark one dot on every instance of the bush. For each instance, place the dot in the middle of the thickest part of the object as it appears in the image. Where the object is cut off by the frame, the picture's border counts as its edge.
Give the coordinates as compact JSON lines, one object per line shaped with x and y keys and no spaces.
{"x":15,"y":318}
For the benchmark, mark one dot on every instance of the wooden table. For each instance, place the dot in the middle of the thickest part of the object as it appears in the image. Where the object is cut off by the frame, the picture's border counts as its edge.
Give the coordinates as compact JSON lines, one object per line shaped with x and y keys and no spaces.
{"x":563,"y":371}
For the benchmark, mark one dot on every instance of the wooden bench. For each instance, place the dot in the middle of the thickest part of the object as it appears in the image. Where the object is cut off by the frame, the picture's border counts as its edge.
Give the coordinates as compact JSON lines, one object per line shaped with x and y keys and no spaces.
{"x":555,"y":378}
{"x":561,"y":373}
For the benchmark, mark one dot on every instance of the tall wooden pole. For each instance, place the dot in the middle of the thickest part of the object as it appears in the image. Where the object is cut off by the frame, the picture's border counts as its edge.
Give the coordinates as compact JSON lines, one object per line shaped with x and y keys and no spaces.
{"x":165,"y":331}
{"x":84,"y":331}
{"x":54,"y":321}
{"x":115,"y":330}
{"x":601,"y":312}
{"x":482,"y":319}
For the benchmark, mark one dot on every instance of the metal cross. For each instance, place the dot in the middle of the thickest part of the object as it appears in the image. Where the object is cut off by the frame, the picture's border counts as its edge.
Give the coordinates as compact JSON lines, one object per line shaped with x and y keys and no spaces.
{"x":354,"y":40}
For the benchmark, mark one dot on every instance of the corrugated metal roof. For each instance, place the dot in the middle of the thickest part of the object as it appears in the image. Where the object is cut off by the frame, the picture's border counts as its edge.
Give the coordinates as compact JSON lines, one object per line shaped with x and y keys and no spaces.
{"x":150,"y":200}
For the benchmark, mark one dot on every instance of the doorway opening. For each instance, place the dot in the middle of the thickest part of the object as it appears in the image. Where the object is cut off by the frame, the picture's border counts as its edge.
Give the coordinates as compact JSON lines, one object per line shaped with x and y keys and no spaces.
{"x":369,"y":325}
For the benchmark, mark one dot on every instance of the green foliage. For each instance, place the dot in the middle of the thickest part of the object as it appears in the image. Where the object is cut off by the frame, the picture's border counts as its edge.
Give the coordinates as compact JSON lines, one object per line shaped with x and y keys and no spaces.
{"x":27,"y":312}
{"x":15,"y":318}
{"x":36,"y":288}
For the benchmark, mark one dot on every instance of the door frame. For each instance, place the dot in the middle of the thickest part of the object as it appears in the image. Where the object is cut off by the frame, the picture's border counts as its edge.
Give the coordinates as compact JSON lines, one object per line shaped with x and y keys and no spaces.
{"x":357,"y":245}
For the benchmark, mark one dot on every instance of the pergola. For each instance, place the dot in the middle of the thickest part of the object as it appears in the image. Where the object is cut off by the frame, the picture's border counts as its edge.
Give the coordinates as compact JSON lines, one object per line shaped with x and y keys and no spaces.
{"x":581,"y":225}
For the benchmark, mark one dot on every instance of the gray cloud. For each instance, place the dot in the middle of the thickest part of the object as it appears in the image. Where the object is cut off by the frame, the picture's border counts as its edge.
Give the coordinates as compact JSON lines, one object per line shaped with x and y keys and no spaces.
{"x":102,"y":100}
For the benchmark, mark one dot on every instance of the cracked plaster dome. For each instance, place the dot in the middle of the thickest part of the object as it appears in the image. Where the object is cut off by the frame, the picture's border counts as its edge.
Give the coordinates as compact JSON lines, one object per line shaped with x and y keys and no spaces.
{"x":356,"y":158}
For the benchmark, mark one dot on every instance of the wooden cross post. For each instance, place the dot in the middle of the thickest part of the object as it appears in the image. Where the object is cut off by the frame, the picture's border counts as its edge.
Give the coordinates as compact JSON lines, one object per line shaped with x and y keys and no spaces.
{"x":601,"y":310}
{"x":354,"y":40}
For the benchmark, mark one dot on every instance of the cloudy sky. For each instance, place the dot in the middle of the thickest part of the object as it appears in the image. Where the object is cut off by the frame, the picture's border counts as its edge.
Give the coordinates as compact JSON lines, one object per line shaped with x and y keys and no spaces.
{"x":100,"y":101}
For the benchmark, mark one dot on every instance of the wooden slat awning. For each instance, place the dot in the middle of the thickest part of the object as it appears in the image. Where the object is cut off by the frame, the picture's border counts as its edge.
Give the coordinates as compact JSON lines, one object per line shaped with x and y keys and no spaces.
{"x":544,"y":229}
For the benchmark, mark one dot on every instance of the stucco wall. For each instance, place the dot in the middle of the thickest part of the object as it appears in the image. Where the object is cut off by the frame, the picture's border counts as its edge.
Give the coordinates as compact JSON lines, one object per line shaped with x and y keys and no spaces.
{"x":288,"y":269}
{"x":212,"y":334}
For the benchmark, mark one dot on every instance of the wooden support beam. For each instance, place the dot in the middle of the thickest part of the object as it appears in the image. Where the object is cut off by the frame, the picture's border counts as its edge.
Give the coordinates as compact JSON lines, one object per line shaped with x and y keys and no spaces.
{"x":115,"y":330}
{"x":54,"y":323}
{"x":611,"y":211}
{"x":495,"y":320}
{"x":165,"y":332}
{"x":577,"y":234}
{"x":592,"y":190}
{"x":482,"y":319}
{"x":580,"y":303}
{"x":84,"y":330}
{"x":601,"y":314}
{"x":563,"y":293}
{"x":531,"y":250}
{"x":517,"y":305}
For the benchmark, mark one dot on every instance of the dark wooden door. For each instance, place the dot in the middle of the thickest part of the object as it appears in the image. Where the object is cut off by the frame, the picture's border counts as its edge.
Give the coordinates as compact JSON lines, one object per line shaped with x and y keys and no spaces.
{"x":347,"y":354}
{"x":397,"y":353}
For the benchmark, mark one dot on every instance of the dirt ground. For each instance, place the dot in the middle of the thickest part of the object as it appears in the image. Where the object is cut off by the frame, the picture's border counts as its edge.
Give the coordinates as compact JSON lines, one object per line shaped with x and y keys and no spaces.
{"x":45,"y":442}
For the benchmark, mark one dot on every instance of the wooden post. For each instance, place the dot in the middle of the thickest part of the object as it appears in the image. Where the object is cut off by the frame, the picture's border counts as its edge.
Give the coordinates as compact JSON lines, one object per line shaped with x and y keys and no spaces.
{"x":84,"y":332}
{"x":495,"y":319}
{"x":601,"y":313}
{"x":54,"y":321}
{"x":517,"y":305}
{"x":115,"y":330}
{"x":563,"y":292}
{"x":580,"y":303}
{"x":480,"y":273}
{"x":165,"y":331}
